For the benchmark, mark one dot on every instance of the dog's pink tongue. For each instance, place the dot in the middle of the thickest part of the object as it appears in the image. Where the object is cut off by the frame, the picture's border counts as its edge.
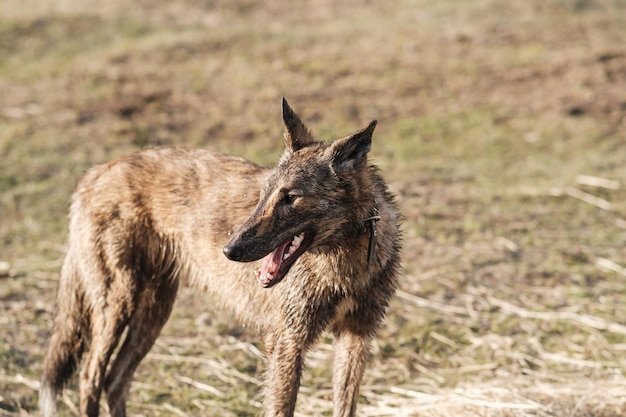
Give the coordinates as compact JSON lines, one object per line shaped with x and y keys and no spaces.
{"x":271,"y":264}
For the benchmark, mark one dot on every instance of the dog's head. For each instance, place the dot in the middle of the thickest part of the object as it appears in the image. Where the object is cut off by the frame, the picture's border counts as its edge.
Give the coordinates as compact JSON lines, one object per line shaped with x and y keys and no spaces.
{"x":316,"y":197}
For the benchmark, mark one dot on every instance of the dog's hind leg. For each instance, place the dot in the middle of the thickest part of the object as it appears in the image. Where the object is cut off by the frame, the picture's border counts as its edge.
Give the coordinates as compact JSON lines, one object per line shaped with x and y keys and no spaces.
{"x":152,"y":311}
{"x":109,"y":318}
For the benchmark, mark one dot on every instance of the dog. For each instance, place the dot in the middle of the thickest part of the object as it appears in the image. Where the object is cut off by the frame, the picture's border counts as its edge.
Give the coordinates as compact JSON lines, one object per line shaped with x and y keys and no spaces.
{"x":308,"y":246}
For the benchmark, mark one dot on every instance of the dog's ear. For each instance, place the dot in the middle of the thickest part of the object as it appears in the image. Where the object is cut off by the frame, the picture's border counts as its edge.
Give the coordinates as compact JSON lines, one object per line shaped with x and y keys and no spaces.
{"x":351,"y":152}
{"x":296,"y":135}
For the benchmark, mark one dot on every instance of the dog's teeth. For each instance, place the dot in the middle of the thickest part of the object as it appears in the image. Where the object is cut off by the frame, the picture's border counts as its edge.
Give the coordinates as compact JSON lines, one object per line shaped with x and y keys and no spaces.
{"x":290,"y":251}
{"x":298,"y":239}
{"x":295,"y":244}
{"x":264,"y":279}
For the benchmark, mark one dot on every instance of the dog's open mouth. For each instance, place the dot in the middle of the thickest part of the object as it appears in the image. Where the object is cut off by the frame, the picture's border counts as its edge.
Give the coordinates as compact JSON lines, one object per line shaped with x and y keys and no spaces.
{"x":276,"y":265}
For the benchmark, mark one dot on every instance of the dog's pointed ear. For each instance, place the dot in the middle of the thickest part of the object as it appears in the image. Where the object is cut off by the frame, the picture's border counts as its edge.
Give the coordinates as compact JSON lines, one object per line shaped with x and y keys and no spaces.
{"x":351,"y":152}
{"x":296,"y":135}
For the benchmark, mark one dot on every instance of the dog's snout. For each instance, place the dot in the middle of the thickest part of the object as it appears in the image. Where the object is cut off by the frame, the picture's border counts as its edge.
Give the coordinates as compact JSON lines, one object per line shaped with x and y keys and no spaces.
{"x":233,"y":252}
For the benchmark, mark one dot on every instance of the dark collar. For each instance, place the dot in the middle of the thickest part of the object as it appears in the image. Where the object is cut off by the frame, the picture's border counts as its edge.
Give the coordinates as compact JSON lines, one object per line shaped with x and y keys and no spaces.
{"x":370,"y":223}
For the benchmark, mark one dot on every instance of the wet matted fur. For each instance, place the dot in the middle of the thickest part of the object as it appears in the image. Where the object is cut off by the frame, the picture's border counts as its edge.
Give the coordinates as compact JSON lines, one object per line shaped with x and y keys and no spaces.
{"x":319,"y":232}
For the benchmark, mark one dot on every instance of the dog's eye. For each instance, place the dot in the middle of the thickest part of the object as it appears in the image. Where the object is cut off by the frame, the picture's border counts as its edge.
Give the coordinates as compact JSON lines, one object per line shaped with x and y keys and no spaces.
{"x":291,"y":197}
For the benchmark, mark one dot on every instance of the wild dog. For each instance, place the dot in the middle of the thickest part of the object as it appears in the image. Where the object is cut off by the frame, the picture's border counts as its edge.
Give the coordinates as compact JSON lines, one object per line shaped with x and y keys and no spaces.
{"x":321,"y":238}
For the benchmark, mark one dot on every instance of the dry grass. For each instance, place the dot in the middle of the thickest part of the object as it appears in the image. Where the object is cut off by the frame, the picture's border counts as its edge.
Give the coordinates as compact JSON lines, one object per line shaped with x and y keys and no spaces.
{"x":501,"y":130}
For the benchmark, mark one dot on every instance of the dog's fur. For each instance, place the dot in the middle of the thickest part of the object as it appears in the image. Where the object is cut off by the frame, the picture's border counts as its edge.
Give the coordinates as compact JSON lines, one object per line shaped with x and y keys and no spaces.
{"x":141,"y":226}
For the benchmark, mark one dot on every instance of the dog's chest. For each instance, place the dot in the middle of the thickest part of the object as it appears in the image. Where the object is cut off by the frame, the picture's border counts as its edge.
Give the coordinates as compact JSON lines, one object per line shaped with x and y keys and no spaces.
{"x":345,"y":307}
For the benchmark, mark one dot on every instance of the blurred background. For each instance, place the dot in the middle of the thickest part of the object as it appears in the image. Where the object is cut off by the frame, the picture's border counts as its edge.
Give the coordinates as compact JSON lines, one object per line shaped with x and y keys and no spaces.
{"x":501,"y":130}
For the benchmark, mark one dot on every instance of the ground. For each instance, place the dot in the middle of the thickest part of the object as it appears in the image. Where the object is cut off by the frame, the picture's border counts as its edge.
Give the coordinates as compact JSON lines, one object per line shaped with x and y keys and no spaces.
{"x":501,"y":130}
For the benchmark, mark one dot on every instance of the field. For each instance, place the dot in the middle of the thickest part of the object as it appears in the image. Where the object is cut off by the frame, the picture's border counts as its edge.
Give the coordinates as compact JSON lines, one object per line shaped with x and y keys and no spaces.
{"x":502,"y":130}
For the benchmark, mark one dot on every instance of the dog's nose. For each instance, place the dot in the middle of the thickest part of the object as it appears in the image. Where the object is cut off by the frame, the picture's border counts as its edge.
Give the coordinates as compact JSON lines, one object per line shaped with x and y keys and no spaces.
{"x":233,"y":252}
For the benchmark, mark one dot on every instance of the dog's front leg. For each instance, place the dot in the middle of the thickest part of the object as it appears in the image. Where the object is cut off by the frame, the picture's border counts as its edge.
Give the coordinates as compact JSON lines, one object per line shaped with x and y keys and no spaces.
{"x":282,"y":380}
{"x":351,"y":353}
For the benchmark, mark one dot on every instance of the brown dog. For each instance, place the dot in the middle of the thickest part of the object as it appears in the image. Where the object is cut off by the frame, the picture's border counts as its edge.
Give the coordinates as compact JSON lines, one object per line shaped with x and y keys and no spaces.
{"x":322,"y":239}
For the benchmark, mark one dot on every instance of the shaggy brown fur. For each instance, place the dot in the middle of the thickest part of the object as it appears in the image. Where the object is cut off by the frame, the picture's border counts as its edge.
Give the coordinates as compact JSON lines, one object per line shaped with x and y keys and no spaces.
{"x":322,"y":240}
